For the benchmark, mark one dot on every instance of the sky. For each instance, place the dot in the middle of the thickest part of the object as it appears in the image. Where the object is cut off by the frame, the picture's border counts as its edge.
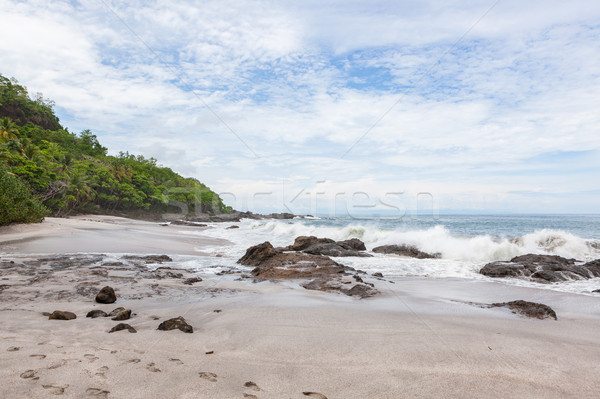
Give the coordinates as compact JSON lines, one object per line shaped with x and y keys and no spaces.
{"x":332,"y":107}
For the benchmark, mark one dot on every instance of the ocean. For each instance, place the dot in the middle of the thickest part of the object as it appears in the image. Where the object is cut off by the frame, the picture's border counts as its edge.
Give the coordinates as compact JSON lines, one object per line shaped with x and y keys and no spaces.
{"x":466,"y":243}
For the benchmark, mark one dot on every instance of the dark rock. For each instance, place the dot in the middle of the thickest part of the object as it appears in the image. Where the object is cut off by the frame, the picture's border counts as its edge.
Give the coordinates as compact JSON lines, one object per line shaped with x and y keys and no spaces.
{"x":363,"y":291}
{"x":543,"y":268}
{"x":533,"y":259}
{"x":192,"y":280}
{"x":115,"y":311}
{"x":358,"y":278}
{"x":405,"y":250}
{"x":529,"y":309}
{"x":597,"y":291}
{"x":504,"y":269}
{"x":96,"y":313}
{"x":186,"y":223}
{"x":149,"y":258}
{"x":378,"y":274}
{"x":326,"y":246}
{"x":106,"y":295}
{"x":123,"y":326}
{"x":303,"y":242}
{"x":353,"y":243}
{"x":122,"y":315}
{"x":176,"y":323}
{"x":232,"y":227}
{"x":258,"y":254}
{"x":61,"y":315}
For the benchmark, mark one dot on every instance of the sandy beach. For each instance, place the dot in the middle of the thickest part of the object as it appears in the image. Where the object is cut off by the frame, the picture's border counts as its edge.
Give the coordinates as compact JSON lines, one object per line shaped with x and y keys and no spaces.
{"x":421,"y":337}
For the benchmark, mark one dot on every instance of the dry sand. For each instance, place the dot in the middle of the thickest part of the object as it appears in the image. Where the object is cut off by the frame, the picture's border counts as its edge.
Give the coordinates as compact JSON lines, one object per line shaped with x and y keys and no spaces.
{"x":420,"y":338}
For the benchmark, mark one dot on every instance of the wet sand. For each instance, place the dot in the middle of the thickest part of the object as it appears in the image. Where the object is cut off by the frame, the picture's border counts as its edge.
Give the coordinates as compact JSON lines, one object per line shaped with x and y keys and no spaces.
{"x":419,"y":338}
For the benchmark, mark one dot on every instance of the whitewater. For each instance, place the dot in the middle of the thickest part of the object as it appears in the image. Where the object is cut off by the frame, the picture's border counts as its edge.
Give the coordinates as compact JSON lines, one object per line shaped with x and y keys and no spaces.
{"x":465,"y":243}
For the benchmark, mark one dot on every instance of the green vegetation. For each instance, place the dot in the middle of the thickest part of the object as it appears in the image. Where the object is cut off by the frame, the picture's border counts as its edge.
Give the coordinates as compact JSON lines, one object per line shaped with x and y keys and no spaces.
{"x":45,"y":169}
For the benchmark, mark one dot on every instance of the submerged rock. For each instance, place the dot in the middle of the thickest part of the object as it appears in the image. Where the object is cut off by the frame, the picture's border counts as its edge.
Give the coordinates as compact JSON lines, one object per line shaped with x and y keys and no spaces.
{"x":176,"y":323}
{"x":529,"y":309}
{"x":62,"y":315}
{"x":192,"y":280}
{"x":123,"y":326}
{"x":543,"y":268}
{"x":106,"y":295}
{"x":96,"y":313}
{"x":405,"y":250}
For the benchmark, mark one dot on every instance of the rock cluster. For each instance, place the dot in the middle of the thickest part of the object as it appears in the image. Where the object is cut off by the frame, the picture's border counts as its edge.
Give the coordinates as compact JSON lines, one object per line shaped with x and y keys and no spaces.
{"x":543,"y":268}
{"x":294,"y":263}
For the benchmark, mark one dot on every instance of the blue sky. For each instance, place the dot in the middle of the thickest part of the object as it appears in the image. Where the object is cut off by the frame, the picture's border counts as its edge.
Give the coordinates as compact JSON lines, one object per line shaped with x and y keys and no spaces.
{"x":484,"y":105}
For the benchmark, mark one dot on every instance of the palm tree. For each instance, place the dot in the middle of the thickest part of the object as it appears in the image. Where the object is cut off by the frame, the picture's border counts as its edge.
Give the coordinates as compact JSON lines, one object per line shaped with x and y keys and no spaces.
{"x":8,"y":129}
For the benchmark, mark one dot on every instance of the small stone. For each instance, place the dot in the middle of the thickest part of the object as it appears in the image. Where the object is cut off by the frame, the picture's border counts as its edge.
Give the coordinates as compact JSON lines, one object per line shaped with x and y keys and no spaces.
{"x":60,"y":315}
{"x":106,"y":295}
{"x":378,"y":274}
{"x":176,"y":323}
{"x":96,"y":313}
{"x":122,"y":315}
{"x":115,"y":311}
{"x":123,"y":326}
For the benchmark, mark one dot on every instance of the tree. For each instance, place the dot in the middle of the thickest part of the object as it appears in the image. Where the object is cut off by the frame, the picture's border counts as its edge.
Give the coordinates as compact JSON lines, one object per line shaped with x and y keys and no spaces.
{"x":17,"y":205}
{"x":8,"y":129}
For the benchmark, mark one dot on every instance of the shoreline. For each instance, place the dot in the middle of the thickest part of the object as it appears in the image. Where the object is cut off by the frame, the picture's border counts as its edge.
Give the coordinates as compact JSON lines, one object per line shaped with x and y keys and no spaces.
{"x":420,"y":338}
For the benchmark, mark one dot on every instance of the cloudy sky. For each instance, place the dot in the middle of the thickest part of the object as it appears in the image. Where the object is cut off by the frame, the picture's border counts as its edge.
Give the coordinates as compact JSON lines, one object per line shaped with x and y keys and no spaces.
{"x":320,"y":105}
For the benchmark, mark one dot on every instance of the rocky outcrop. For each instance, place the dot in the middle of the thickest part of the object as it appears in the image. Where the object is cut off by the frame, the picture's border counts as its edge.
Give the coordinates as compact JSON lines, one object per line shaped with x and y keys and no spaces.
{"x":529,"y":309}
{"x":328,"y":247}
{"x":149,"y":258}
{"x":178,"y":323}
{"x":543,"y":268}
{"x":123,"y":326}
{"x":405,"y":250}
{"x":106,"y":295}
{"x":62,"y":315}
{"x":321,"y":272}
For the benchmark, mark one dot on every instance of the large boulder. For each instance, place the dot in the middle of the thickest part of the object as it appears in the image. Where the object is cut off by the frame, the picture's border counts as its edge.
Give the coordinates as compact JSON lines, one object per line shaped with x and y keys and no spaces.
{"x":124,"y":314}
{"x":543,"y":268}
{"x":258,"y":254}
{"x":405,"y":250}
{"x":106,"y":295}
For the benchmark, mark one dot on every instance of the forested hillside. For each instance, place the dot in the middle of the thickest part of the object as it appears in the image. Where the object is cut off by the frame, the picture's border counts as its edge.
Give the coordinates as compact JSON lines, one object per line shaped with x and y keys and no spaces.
{"x":47,"y":170}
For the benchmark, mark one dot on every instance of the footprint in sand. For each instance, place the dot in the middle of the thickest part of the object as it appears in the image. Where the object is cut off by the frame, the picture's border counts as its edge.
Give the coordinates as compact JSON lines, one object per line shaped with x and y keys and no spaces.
{"x":133,"y":361}
{"x":252,"y":385}
{"x":55,"y":390}
{"x":315,"y":395}
{"x":250,"y":396}
{"x":27,"y":374}
{"x":97,"y":393}
{"x":13,"y":349}
{"x":101,"y":371}
{"x":151,"y":367}
{"x":176,"y":361}
{"x":57,"y":365}
{"x":90,"y":357}
{"x":212,"y":377}
{"x":38,"y":356}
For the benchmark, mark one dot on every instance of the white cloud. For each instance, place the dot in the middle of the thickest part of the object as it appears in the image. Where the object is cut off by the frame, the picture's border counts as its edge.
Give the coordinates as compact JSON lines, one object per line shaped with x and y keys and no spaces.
{"x":299,"y":83}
